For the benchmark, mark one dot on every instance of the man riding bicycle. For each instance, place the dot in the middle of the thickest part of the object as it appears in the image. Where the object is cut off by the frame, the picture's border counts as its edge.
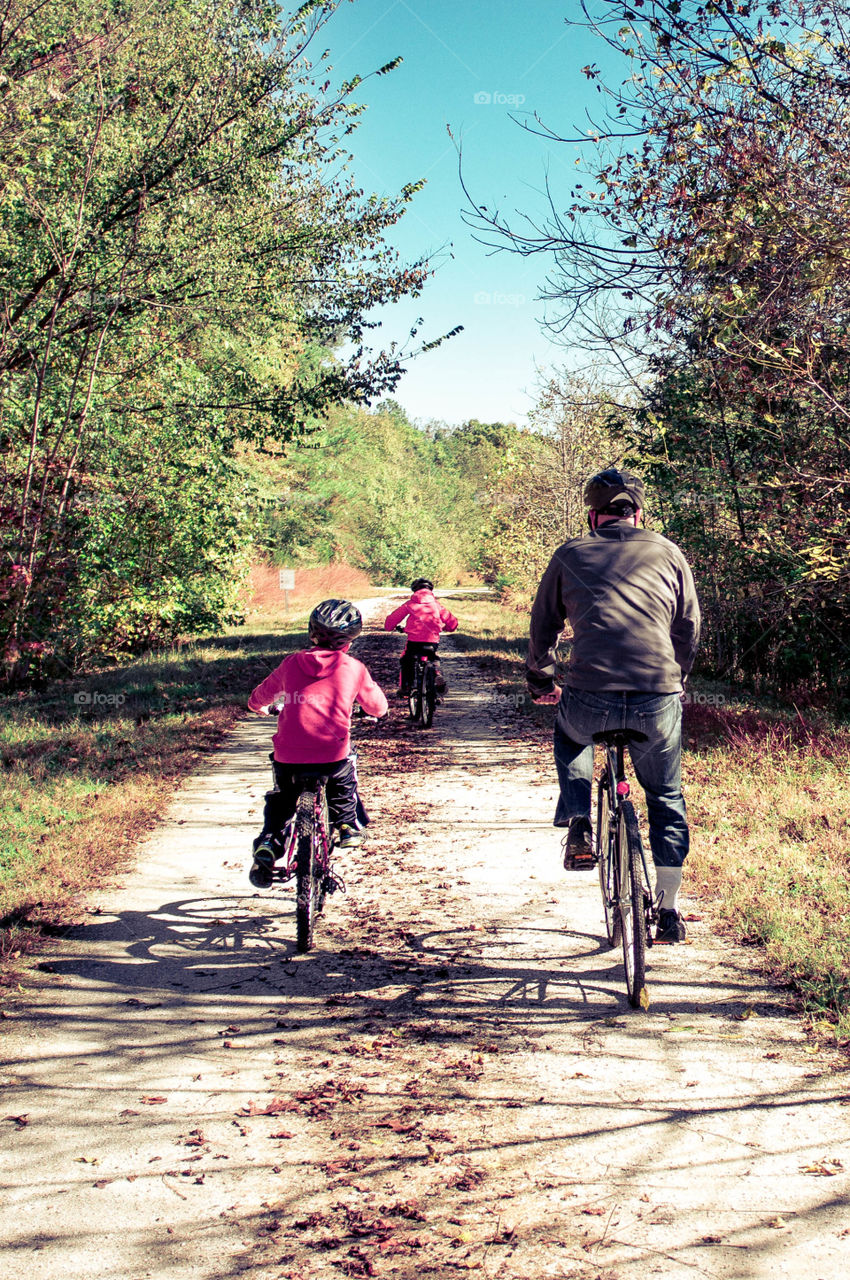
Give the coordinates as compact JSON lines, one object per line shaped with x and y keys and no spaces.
{"x":628,"y":594}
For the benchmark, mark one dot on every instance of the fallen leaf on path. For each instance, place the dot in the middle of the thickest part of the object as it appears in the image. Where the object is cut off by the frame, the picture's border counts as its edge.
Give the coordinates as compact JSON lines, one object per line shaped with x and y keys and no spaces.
{"x":20,"y":1121}
{"x":712,"y":1239}
{"x":644,"y":998}
{"x":152,"y":1100}
{"x":273,"y":1108}
{"x":404,"y":1209}
{"x":128,"y":1111}
{"x":359,"y":1264}
{"x":284,"y":1133}
{"x":778,"y":1223}
{"x":823,"y":1168}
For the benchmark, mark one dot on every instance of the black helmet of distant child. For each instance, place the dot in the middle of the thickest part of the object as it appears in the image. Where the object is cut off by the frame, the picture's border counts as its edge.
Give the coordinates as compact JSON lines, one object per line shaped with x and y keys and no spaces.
{"x":422,"y":584}
{"x":334,"y":622}
{"x":613,"y":486}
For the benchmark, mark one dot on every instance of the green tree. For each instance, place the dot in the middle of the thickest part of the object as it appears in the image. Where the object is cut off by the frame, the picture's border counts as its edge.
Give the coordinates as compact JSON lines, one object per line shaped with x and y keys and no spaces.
{"x":176,"y":266}
{"x":707,"y":245}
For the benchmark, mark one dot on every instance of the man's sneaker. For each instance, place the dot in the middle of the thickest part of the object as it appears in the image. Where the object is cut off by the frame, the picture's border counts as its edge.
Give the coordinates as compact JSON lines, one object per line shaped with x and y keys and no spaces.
{"x":262,"y":872}
{"x":578,"y":845}
{"x":440,"y":683}
{"x":671,"y":927}
{"x":349,"y":837}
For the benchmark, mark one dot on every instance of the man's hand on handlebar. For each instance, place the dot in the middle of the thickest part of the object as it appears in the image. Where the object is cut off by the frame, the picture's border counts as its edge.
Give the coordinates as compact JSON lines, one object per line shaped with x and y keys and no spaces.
{"x":547,"y":699}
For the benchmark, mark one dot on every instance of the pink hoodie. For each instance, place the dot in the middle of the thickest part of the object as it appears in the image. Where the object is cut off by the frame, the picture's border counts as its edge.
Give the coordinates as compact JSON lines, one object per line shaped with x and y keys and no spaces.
{"x":426,"y":617}
{"x":317,"y":689}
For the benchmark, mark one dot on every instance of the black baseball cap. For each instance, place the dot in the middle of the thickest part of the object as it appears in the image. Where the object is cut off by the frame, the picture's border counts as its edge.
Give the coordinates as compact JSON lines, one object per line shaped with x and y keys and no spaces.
{"x":613,"y":485}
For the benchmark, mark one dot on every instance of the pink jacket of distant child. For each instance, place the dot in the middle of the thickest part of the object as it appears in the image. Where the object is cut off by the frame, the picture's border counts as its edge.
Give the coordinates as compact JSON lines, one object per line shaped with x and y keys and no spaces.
{"x":426,"y":617}
{"x":316,"y":690}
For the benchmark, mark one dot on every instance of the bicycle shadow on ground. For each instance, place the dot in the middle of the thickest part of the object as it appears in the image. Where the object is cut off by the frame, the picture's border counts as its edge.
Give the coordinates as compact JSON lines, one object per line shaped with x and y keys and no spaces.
{"x":240,"y":949}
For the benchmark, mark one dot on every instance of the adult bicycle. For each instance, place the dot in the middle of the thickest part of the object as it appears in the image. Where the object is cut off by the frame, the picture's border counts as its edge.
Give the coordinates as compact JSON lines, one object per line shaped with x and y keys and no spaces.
{"x":630,"y":909}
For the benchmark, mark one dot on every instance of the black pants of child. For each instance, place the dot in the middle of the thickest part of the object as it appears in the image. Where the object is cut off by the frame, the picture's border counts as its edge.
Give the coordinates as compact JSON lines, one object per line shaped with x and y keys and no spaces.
{"x":344,"y":804}
{"x":408,"y":660}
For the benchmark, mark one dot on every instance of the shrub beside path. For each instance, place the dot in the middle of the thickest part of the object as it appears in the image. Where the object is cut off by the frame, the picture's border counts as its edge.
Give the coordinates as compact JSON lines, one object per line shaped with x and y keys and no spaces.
{"x":450,"y":1083}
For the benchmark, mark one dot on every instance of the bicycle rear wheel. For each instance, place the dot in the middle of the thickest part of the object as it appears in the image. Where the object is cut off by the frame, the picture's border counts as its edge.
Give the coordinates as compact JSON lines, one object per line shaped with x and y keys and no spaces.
{"x":607,"y":849}
{"x":414,"y":701}
{"x":323,"y":845}
{"x":632,"y":906}
{"x":429,"y":695}
{"x":307,"y":887}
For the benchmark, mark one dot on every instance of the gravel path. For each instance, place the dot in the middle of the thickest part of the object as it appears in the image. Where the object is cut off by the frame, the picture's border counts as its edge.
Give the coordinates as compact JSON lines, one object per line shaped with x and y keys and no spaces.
{"x":450,"y":1082}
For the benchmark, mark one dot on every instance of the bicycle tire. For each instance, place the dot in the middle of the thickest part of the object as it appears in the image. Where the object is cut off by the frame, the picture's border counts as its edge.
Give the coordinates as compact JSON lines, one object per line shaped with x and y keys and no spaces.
{"x":632,"y":904}
{"x":414,"y":700}
{"x":607,"y":847}
{"x":321,"y":871}
{"x":306,"y":882}
{"x":429,"y":695}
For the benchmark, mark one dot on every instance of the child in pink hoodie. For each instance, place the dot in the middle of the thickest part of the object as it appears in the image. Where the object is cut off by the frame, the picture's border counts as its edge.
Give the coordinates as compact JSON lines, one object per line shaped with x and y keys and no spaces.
{"x":315,"y":690}
{"x":426,"y":619}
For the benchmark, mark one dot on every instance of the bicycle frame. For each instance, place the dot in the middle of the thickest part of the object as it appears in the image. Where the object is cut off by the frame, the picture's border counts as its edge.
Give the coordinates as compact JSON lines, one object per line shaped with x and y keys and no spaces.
{"x":619,"y":789}
{"x":629,"y":907}
{"x":287,"y":868}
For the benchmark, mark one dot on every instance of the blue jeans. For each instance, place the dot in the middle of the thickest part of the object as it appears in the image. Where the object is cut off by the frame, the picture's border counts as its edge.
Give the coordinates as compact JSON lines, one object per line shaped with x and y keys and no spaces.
{"x":656,"y":762}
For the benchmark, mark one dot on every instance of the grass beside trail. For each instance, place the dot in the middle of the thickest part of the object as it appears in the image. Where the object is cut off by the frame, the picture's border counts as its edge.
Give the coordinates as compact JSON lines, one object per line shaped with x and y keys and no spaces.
{"x":768,"y":793}
{"x":90,"y":763}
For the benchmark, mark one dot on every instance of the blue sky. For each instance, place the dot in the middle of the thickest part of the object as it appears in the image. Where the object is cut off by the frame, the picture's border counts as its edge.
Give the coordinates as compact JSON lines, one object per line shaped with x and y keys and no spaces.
{"x":470,"y":67}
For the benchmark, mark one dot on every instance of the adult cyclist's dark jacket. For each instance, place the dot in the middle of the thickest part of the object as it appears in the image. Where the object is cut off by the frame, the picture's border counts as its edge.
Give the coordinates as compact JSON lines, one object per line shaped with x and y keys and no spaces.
{"x":629,"y":597}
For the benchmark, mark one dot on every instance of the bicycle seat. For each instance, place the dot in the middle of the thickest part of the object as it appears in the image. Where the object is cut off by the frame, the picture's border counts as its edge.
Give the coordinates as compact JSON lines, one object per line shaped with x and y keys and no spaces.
{"x":616,"y":737}
{"x":309,"y":781}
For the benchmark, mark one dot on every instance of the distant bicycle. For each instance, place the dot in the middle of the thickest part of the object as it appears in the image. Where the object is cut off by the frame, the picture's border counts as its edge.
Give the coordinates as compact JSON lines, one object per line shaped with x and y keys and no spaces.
{"x":630,"y":910}
{"x":422,"y":698}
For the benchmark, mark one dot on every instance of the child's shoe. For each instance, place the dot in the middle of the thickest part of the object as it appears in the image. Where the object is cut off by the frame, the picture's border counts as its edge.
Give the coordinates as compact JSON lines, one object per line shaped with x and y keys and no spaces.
{"x":349,"y":837}
{"x":262,"y":871}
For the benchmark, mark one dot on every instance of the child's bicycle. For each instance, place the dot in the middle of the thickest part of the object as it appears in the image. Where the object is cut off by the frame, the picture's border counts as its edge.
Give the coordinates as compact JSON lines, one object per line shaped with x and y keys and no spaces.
{"x":423,"y":693}
{"x":630,"y":910}
{"x":307,"y":845}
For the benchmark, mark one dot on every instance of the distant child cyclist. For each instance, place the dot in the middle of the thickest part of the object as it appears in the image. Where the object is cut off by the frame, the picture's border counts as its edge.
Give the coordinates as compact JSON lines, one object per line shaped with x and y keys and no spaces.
{"x":315,"y":690}
{"x":426,"y":619}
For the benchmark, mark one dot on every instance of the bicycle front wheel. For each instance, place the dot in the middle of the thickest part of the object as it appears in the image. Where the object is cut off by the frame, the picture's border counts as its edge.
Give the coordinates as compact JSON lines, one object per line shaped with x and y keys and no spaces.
{"x":607,"y":849}
{"x":306,"y":872}
{"x":632,"y":907}
{"x":429,"y":696}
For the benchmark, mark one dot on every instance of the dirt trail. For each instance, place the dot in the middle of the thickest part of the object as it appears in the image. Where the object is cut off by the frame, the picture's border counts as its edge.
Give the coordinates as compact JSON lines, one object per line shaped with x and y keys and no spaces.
{"x":450,"y":1083}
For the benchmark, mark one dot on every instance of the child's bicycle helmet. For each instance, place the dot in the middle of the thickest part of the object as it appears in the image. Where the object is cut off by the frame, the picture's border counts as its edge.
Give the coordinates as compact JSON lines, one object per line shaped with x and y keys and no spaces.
{"x":333,"y":623}
{"x":422,"y":584}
